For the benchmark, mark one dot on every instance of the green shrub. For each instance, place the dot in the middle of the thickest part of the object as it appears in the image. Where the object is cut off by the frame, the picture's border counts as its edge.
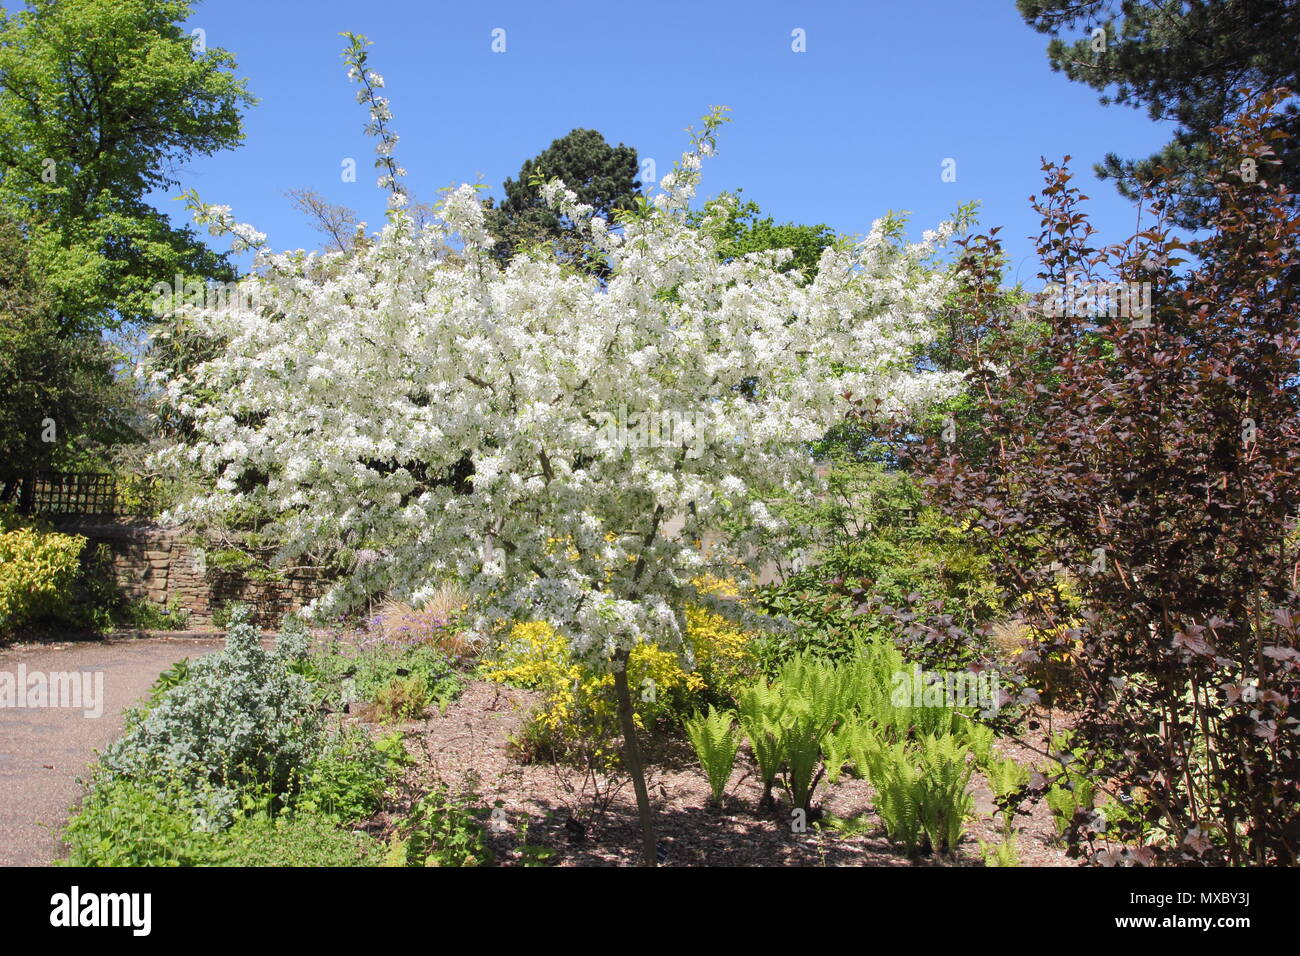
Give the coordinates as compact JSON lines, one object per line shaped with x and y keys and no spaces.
{"x":714,"y":738}
{"x":404,"y":698}
{"x":127,"y":822}
{"x":401,"y":680}
{"x":99,"y":600}
{"x":347,"y":779}
{"x":241,"y":721}
{"x":408,"y":678}
{"x":172,"y":677}
{"x":222,"y":614}
{"x":440,"y":831}
{"x":147,"y":616}
{"x":297,"y":839}
{"x":872,"y":538}
{"x":38,"y":570}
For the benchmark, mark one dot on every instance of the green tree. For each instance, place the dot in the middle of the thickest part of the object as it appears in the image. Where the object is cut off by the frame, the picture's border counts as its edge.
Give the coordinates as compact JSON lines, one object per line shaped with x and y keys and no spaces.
{"x":58,"y":394}
{"x":1186,"y":61}
{"x":603,"y":176}
{"x":746,"y":230}
{"x":100,"y":101}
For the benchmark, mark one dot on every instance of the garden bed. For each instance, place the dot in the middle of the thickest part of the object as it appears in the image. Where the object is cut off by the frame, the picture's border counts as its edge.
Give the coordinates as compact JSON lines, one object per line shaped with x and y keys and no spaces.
{"x":468,"y":748}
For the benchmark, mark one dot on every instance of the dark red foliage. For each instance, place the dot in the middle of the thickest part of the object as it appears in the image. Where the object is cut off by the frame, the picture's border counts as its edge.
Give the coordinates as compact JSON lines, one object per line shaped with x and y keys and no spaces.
{"x":1156,"y":459}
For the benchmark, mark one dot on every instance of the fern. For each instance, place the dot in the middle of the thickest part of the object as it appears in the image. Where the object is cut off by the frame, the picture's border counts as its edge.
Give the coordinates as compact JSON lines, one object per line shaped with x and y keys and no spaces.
{"x":815,"y":718}
{"x":819,"y":698}
{"x":934,"y":721}
{"x":837,"y":747}
{"x":801,"y":745}
{"x":762,"y":709}
{"x":1068,"y":800}
{"x":980,"y":739}
{"x":945,"y":802}
{"x":921,"y":790}
{"x":1078,"y":792}
{"x":1006,"y":853}
{"x":870,"y":678}
{"x":820,"y":685}
{"x":896,"y":780}
{"x":714,"y":737}
{"x":1005,"y":778}
{"x":860,"y":738}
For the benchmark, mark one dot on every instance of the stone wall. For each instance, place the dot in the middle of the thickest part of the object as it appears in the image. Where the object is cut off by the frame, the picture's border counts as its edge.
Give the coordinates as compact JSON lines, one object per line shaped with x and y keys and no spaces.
{"x":158,"y":564}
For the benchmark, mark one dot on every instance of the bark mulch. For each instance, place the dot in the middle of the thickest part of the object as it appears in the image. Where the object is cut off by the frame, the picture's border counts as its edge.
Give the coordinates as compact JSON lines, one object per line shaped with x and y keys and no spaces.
{"x":468,"y":749}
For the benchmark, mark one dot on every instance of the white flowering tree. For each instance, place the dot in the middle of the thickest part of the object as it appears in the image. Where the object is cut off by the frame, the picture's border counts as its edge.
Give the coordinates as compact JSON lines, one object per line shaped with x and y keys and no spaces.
{"x":597,"y":431}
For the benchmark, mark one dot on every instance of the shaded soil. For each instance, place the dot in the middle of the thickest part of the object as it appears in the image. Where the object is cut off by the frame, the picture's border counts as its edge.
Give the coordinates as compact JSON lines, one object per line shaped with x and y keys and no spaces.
{"x":468,"y":748}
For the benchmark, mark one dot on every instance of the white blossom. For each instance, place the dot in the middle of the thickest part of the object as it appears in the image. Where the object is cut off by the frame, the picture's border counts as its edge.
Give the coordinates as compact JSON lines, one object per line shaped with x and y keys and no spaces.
{"x":350,"y":389}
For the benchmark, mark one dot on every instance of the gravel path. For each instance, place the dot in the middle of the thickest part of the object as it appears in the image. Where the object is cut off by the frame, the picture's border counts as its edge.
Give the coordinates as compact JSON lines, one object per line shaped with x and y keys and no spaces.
{"x":43,"y":751}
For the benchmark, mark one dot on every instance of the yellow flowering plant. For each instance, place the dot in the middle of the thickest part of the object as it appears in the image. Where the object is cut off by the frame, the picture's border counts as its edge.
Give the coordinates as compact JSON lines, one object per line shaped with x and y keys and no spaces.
{"x":37,"y":572}
{"x":578,"y":700}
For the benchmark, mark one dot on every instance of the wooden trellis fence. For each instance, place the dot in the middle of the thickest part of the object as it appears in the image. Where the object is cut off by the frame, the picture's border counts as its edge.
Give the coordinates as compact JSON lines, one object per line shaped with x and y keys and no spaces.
{"x":91,"y":494}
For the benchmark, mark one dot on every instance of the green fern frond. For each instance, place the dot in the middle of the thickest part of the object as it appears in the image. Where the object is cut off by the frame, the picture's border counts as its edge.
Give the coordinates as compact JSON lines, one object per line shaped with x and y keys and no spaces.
{"x":714,"y":737}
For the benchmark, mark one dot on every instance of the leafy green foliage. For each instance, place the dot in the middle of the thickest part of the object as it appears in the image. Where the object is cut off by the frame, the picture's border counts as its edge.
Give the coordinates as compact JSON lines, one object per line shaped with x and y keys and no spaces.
{"x":713,"y":735}
{"x":815,"y":717}
{"x":292,"y":840}
{"x":241,"y":720}
{"x":897,"y":783}
{"x":944,"y":800}
{"x":602,"y":176}
{"x":744,"y":230}
{"x":401,"y":679}
{"x":172,"y":677}
{"x":37,"y":572}
{"x":921,"y":789}
{"x":431,"y":669}
{"x":1074,"y":791}
{"x":762,"y":709}
{"x":402,"y":698}
{"x":231,"y":766}
{"x":1004,"y":853}
{"x":144,"y":615}
{"x":873,"y":542}
{"x":1186,"y":62}
{"x":346,"y":780}
{"x":440,"y":831}
{"x":115,"y":118}
{"x":123,"y":822}
{"x":979,"y":737}
{"x":59,"y":397}
{"x":818,"y":697}
{"x":1007,"y":779}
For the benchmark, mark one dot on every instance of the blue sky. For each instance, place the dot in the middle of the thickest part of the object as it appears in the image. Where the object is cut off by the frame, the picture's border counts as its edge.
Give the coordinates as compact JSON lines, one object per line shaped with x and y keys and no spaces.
{"x":858,"y":124}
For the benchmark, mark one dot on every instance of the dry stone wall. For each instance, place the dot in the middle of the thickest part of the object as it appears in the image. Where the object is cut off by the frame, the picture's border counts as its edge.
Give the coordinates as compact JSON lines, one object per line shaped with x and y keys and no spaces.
{"x":158,"y":564}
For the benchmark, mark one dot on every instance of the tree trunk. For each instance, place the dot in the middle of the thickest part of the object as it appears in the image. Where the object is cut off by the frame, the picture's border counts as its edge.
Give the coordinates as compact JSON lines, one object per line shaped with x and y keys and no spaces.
{"x":27,"y":494}
{"x":632,"y":757}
